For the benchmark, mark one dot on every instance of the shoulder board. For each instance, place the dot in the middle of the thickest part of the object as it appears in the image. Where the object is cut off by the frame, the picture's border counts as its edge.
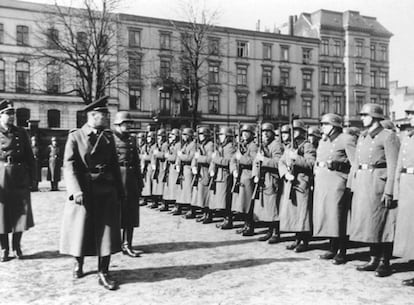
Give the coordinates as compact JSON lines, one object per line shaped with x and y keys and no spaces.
{"x":72,"y":130}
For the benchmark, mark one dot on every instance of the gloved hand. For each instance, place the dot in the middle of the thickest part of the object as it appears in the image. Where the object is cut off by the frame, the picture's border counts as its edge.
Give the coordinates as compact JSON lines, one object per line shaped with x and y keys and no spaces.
{"x":79,"y":199}
{"x":387,"y":201}
{"x":194,"y":170}
{"x":289,"y":177}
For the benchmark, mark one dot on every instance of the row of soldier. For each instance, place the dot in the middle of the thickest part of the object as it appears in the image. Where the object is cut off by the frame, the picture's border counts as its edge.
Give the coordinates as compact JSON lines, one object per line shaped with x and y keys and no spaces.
{"x":344,"y":187}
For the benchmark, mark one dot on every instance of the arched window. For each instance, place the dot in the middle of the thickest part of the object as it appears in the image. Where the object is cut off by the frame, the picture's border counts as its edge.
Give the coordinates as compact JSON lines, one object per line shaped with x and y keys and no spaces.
{"x":22,"y":76}
{"x":22,"y":117}
{"x":53,"y":118}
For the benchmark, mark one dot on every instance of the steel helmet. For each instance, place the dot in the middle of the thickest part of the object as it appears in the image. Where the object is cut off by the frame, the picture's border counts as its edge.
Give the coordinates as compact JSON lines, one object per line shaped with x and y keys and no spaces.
{"x":161,"y":132}
{"x":373,"y":110}
{"x":285,"y":129}
{"x":248,"y":127}
{"x":299,"y":124}
{"x":122,"y":116}
{"x":410,"y":108}
{"x":188,"y":131}
{"x":204,"y":130}
{"x":226,"y":131}
{"x":268,"y":126}
{"x":314,"y":131}
{"x":175,"y":132}
{"x":332,"y":119}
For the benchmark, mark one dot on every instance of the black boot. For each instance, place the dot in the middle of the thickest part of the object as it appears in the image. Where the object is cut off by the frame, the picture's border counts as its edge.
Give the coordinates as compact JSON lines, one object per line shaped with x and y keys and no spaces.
{"x":340,"y":258}
{"x":409,"y":282}
{"x":227,"y":224}
{"x":164,"y":207}
{"x":384,"y":268}
{"x":374,"y":260}
{"x":242,"y":230}
{"x":209,"y":217}
{"x":303,"y":238}
{"x":103,"y":273}
{"x":4,"y":247}
{"x":176,"y":210}
{"x":293,"y":245}
{"x":191,"y":214}
{"x":17,"y":250}
{"x":275,"y":239}
{"x":333,"y":249}
{"x":126,"y":246}
{"x":78,"y":267}
{"x":249,"y":230}
{"x":268,"y":234}
{"x":155,"y":203}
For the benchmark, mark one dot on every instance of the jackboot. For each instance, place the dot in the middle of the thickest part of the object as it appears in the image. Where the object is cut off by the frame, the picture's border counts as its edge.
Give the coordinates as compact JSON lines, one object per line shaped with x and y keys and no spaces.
{"x":374,"y":259}
{"x":17,"y":250}
{"x":249,"y":230}
{"x":275,"y":239}
{"x":191,"y":214}
{"x":340,"y":258}
{"x":384,"y":268}
{"x":268,"y":234}
{"x":177,"y":210}
{"x":126,"y":246}
{"x":78,"y":267}
{"x":4,"y":247}
{"x":241,"y":230}
{"x":142,"y":202}
{"x":164,"y":207}
{"x":209,"y":217}
{"x":333,"y":249}
{"x":227,"y":224}
{"x":103,"y":273}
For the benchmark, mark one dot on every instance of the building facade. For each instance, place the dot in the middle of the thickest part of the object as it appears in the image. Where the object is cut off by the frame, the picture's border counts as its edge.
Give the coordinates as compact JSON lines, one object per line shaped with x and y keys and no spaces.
{"x":327,"y":62}
{"x":401,"y":98}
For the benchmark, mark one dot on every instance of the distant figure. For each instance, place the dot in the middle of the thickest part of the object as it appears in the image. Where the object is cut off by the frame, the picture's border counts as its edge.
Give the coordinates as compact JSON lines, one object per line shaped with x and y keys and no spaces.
{"x":53,"y":173}
{"x":37,"y":165}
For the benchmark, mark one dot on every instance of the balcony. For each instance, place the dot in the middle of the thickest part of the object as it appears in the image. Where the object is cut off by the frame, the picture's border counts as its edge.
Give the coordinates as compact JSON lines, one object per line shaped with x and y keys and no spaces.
{"x":279,"y":92}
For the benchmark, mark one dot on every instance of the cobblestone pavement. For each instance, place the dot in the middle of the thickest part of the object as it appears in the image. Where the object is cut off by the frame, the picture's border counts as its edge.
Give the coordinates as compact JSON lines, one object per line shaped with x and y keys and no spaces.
{"x":189,"y":263}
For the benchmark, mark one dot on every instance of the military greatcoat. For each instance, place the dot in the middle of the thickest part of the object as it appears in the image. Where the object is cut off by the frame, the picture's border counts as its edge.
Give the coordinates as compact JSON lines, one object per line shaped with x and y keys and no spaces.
{"x":146,"y":169}
{"x":158,"y":162}
{"x":404,"y":193}
{"x":266,"y":208}
{"x":37,"y":165}
{"x":202,"y":193}
{"x":374,"y":171}
{"x":295,"y":201}
{"x":334,"y":157}
{"x":91,"y":168}
{"x":55,"y":163}
{"x":170,"y":173}
{"x":183,"y":163}
{"x":132,"y":181}
{"x":16,"y":163}
{"x":241,"y":202}
{"x":220,"y":199}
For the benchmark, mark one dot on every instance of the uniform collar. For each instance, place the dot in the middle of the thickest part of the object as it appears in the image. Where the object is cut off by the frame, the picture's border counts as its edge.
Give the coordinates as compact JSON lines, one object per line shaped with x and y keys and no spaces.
{"x":334,"y":135}
{"x":375,"y":132}
{"x":88,"y":129}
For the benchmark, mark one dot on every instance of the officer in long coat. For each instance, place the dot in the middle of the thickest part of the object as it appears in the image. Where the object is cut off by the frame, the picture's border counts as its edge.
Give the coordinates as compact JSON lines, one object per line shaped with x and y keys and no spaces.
{"x":241,"y":167}
{"x":16,"y":163}
{"x":373,"y":212}
{"x":146,"y":168}
{"x":132,"y":182}
{"x":200,"y":165}
{"x":266,"y":177}
{"x":37,"y":165}
{"x":296,"y":170}
{"x":170,"y":174}
{"x":94,"y":186}
{"x":331,"y":197}
{"x":185,"y":154}
{"x":158,"y":167}
{"x":220,"y":195}
{"x":55,"y":163}
{"x":141,"y":139}
{"x":404,"y":193}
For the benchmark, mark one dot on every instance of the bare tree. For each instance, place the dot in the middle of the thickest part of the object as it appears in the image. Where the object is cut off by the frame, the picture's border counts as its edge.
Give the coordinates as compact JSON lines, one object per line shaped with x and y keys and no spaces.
{"x":85,"y":40}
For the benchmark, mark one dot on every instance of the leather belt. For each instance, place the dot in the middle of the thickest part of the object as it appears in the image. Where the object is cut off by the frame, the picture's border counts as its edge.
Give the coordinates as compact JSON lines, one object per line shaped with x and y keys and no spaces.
{"x":337,"y":166}
{"x":97,"y":170}
{"x":268,"y":169}
{"x":186,"y":162}
{"x":125,"y":164}
{"x":408,"y":170}
{"x":222,"y":166}
{"x":249,"y":167}
{"x":366,"y":166}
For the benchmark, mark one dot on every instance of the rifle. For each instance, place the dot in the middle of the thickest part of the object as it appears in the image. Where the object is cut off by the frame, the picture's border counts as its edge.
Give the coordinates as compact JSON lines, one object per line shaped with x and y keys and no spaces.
{"x":146,"y":162}
{"x":259,"y":184}
{"x":236,"y":185}
{"x":156,"y":172}
{"x":180,"y":176}
{"x":167,"y":165}
{"x":196,"y":177}
{"x":213,"y":183}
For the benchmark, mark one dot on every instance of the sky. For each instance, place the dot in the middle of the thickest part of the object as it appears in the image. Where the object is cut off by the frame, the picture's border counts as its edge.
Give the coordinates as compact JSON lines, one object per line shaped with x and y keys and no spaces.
{"x":395,"y":15}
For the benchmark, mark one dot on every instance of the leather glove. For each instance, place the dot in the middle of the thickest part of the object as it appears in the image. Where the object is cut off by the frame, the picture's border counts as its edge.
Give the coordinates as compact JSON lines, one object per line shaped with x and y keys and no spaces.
{"x":387,"y":201}
{"x":79,"y":199}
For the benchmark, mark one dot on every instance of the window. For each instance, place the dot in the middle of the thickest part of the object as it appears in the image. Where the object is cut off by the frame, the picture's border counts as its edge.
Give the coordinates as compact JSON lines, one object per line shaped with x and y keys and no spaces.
{"x":134,"y":68}
{"x":82,"y":41}
{"x":325,"y":104}
{"x":325,"y":75}
{"x":165,"y":41}
{"x":267,"y":107}
{"x":372,"y":50}
{"x":359,"y":46}
{"x":213,"y":74}
{"x":360,"y":100}
{"x":165,"y":69}
{"x":165,"y":101}
{"x":383,"y":80}
{"x":242,"y":76}
{"x":384,"y":105}
{"x":337,"y":48}
{"x":80,"y":118}
{"x":307,"y":108}
{"x":22,"y":35}
{"x":325,"y":47}
{"x":383,"y":53}
{"x":373,"y":79}
{"x":22,"y":117}
{"x":213,"y":46}
{"x":22,"y":77}
{"x":52,"y":79}
{"x":2,"y":76}
{"x":337,"y":105}
{"x":337,"y":76}
{"x":52,"y":38}
{"x":284,"y":52}
{"x":359,"y":76}
{"x":306,"y":55}
{"x":213,"y":103}
{"x":267,"y":51}
{"x":307,"y":80}
{"x":1,"y":33}
{"x":53,"y":118}
{"x":134,"y":38}
{"x":284,"y":77}
{"x":267,"y":76}
{"x":242,"y":49}
{"x":135,"y":99}
{"x":241,"y":104}
{"x":284,"y":108}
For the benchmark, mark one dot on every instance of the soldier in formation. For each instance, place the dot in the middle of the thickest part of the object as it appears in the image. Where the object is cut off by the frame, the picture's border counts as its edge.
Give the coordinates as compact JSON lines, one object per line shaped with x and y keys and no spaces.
{"x":55,"y":163}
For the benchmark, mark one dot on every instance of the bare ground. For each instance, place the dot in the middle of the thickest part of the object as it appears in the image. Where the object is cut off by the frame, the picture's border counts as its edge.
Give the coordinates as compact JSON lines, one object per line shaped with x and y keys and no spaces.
{"x":189,"y":263}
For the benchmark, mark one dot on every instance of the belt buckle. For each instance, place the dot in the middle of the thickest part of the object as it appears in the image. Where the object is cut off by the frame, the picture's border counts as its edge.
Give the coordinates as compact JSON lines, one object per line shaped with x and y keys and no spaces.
{"x":364,"y":166}
{"x":410,"y":170}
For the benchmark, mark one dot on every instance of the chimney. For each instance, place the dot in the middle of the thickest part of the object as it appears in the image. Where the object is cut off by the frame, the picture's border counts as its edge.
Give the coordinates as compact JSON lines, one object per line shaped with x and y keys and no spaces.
{"x":258,"y":25}
{"x":291,"y":24}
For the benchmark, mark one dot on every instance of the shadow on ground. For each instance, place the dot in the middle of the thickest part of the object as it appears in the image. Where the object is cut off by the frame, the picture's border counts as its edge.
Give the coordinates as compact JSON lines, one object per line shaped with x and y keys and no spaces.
{"x":191,"y":272}
{"x":45,"y":255}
